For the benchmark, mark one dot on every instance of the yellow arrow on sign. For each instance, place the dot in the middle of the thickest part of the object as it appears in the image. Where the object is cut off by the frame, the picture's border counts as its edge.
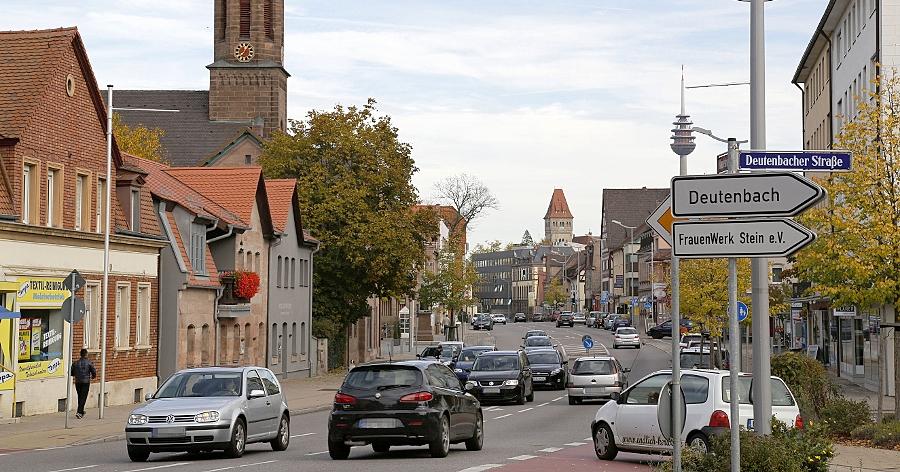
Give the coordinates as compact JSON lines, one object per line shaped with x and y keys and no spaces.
{"x":661,"y":220}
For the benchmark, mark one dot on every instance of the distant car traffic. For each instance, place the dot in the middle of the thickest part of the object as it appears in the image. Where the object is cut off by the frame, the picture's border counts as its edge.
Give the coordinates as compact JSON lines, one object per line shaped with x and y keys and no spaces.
{"x":463,"y":363}
{"x":626,"y":337}
{"x":501,"y":376}
{"x":565,"y":319}
{"x":595,"y":377}
{"x":408,"y":403}
{"x":210,"y":408}
{"x":579,"y":318}
{"x":590,"y":320}
{"x":554,"y":316}
{"x":608,"y":322}
{"x":483,"y":321}
{"x":621,"y":322}
{"x":519,"y":318}
{"x":664,"y":329}
{"x":499,"y":318}
{"x":548,"y":368}
{"x":537,"y":317}
{"x":597,"y":319}
{"x":629,"y":422}
{"x":534,"y":332}
{"x":537,"y":342}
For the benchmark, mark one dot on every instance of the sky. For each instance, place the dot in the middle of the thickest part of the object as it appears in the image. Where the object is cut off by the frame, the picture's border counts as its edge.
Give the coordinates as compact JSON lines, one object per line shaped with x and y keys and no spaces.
{"x":526,"y":95}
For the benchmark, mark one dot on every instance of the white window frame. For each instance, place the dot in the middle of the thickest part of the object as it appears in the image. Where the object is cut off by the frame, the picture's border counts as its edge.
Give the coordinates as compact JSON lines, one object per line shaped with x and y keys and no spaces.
{"x":52,"y":176}
{"x":135,"y":210}
{"x":142,"y":324}
{"x":93,"y":315}
{"x":100,"y":213}
{"x":123,"y":315}
{"x":28,"y":171}
{"x":197,"y":248}
{"x":80,"y":180}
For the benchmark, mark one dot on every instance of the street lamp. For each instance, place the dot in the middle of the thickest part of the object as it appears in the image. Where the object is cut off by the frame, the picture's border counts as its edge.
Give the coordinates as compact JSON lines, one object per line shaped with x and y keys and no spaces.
{"x":629,"y":292}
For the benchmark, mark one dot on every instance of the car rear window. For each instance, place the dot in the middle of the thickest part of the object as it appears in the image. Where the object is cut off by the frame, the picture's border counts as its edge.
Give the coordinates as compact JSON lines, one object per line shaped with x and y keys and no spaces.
{"x":543,"y":358}
{"x":538,"y":341}
{"x":535,"y":333}
{"x":626,"y":331}
{"x":375,"y":377}
{"x":496,"y":363}
{"x":781,"y":396}
{"x":594,"y":367}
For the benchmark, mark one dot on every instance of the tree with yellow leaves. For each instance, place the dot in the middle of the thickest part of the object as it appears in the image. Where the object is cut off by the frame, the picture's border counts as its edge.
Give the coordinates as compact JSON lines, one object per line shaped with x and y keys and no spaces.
{"x":139,"y":140}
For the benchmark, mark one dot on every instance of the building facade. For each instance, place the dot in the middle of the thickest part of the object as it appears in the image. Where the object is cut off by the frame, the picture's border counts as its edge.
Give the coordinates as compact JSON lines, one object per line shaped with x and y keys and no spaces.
{"x":558,"y":220}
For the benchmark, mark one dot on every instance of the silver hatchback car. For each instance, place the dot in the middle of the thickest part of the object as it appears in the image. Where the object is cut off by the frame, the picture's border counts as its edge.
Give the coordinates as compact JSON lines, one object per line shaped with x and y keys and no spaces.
{"x":210,"y":408}
{"x":595,"y":377}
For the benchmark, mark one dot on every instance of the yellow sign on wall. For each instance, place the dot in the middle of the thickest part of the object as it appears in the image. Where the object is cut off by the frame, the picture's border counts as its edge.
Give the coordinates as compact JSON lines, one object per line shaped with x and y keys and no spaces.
{"x":7,"y":351}
{"x":40,"y":292}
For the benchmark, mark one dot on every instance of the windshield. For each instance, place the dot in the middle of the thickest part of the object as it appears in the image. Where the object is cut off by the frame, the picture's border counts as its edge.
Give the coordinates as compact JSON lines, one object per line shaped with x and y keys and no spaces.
{"x":494,"y":363}
{"x":538,"y":341}
{"x":449,"y":351}
{"x":470,"y":355}
{"x":543,"y":358}
{"x":626,"y":331}
{"x":381,"y":377}
{"x":202,"y":384}
{"x":484,"y":318}
{"x":535,"y":333}
{"x":594,"y":367}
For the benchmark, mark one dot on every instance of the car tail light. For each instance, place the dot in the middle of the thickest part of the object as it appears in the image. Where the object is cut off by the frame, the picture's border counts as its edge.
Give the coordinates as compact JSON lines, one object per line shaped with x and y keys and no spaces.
{"x":344,"y":399}
{"x":798,"y":422}
{"x":719,"y":419}
{"x":417,"y":397}
{"x":415,"y":422}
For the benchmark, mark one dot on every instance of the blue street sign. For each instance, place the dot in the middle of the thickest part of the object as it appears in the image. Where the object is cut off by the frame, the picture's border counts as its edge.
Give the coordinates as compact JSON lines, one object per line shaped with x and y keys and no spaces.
{"x":742,"y":311}
{"x":587,"y":342}
{"x":648,"y":305}
{"x":830,"y":161}
{"x":634,"y":301}
{"x":604,"y":297}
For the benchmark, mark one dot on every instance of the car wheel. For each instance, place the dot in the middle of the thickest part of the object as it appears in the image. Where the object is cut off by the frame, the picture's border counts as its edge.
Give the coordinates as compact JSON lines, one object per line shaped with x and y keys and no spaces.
{"x":604,"y":443}
{"x":338,"y":450}
{"x":476,"y":442}
{"x":138,"y":454}
{"x":699,"y":442}
{"x":281,"y":442}
{"x":381,"y":447}
{"x":440,"y":446}
{"x":530,"y":396}
{"x":238,"y":442}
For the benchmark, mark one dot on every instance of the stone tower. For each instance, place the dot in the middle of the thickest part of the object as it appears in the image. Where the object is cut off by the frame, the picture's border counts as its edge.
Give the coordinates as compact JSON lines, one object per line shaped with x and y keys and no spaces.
{"x":247,"y":80}
{"x":558,"y":220}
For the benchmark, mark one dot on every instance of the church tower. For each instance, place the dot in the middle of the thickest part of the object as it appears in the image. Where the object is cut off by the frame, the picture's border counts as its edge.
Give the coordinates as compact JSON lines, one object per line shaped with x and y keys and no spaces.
{"x":247,"y":80}
{"x":558,"y":220}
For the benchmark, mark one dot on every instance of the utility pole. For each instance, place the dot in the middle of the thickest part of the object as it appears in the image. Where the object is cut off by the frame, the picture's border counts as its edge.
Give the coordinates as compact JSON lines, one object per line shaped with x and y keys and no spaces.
{"x":733,"y":334}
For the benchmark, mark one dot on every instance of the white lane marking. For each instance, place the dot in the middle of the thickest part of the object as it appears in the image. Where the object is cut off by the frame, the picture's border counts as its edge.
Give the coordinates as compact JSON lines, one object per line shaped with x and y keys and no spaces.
{"x":301,"y":435}
{"x":317,"y":453}
{"x":220,"y":469}
{"x":76,"y":468}
{"x":497,"y":409}
{"x":503,"y":416}
{"x":551,"y":449}
{"x":527,"y":409}
{"x":523,"y":457}
{"x":481,"y":468}
{"x":52,"y":448}
{"x":543,"y":404}
{"x":257,"y":463}
{"x":588,"y":439}
{"x":573,"y":444}
{"x":556,"y":399}
{"x":166,"y":466}
{"x":490,"y":408}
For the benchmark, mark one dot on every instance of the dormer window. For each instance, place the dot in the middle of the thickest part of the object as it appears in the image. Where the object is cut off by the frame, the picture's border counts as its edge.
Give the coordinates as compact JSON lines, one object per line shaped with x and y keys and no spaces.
{"x":198,"y":248}
{"x":135,"y":210}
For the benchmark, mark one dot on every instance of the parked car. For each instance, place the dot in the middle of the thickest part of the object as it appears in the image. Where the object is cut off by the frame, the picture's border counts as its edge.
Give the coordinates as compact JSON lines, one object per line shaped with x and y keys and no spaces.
{"x":579,"y":318}
{"x":695,"y":358}
{"x":499,"y":318}
{"x":519,"y":318}
{"x":687,"y":338}
{"x":450,"y":350}
{"x":664,"y":329}
{"x":629,"y":422}
{"x":595,"y":377}
{"x":210,"y":408}
{"x":501,"y":376}
{"x":565,"y":319}
{"x":591,"y":319}
{"x":484,"y":321}
{"x":621,"y":322}
{"x":537,"y":317}
{"x":409,"y":403}
{"x":463,"y":363}
{"x":548,"y":368}
{"x":626,"y":336}
{"x":597,"y":317}
{"x":430,"y":352}
{"x":608,"y":322}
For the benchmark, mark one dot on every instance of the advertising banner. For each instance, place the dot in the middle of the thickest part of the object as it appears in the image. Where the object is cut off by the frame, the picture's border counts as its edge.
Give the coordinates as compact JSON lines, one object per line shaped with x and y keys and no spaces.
{"x":41,"y":292}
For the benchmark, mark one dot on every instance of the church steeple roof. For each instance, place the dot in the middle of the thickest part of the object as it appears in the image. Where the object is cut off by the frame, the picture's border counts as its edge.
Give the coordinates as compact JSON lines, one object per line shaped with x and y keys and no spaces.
{"x":558,"y":208}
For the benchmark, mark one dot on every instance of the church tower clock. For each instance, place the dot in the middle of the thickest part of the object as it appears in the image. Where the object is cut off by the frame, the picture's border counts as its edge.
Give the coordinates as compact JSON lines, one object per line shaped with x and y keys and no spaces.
{"x":247,"y":80}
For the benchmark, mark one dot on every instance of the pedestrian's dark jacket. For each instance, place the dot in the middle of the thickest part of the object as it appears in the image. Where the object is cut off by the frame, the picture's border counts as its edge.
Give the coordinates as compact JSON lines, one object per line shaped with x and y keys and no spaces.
{"x":83,"y":371}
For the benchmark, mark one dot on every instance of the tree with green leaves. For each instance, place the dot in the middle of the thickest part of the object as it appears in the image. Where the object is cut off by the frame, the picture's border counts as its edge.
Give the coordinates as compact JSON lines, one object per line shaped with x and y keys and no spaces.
{"x":554,"y":293}
{"x":527,"y":240}
{"x":139,"y":140}
{"x":449,"y":287}
{"x":357,"y":197}
{"x":488,"y":246}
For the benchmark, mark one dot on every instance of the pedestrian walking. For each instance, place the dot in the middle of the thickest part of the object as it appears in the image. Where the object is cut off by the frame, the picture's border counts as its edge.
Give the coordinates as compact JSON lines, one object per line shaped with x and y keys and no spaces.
{"x":446,"y":327}
{"x":82,"y":373}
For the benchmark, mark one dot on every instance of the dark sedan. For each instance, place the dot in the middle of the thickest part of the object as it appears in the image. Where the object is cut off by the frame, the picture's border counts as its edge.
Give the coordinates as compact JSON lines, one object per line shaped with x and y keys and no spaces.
{"x":664,"y":329}
{"x":565,"y":319}
{"x":621,"y":323}
{"x":408,"y":403}
{"x":548,"y":368}
{"x":463,"y":364}
{"x":519,"y":318}
{"x":483,"y":321}
{"x":501,"y":376}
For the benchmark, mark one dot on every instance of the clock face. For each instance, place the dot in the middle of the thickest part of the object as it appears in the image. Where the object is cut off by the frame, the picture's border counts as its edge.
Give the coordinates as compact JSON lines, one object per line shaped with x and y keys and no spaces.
{"x":243,"y":52}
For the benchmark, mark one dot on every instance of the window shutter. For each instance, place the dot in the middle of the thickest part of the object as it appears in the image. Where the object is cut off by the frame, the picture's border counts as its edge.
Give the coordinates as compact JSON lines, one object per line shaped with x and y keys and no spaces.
{"x":245,"y":19}
{"x":267,"y":18}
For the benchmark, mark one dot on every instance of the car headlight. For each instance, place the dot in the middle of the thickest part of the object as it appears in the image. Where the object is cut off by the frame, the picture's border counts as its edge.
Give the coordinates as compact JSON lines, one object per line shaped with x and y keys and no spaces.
{"x":137,"y":419}
{"x":555,"y":371}
{"x":470,"y":385}
{"x":458,"y":371}
{"x":207,"y":417}
{"x":511,"y":383}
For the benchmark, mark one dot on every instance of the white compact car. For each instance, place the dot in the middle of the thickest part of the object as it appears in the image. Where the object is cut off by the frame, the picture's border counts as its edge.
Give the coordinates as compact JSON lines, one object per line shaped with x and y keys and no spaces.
{"x":579,"y":318}
{"x":626,"y":336}
{"x":629,"y":423}
{"x":499,"y":318}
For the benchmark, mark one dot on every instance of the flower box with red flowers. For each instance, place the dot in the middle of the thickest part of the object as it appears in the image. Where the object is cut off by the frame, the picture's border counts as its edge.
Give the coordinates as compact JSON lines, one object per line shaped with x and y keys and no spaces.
{"x":239,"y":286}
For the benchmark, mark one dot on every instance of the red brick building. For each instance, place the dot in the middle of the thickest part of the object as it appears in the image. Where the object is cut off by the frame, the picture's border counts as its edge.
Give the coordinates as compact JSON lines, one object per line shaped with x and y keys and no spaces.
{"x":52,"y":211}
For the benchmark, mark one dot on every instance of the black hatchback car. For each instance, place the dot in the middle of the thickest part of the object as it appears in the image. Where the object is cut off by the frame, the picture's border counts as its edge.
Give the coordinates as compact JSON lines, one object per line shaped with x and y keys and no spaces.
{"x":548,"y":368}
{"x":484,"y":321}
{"x":501,"y":376}
{"x":404,"y":403}
{"x":565,"y":319}
{"x":664,"y":329}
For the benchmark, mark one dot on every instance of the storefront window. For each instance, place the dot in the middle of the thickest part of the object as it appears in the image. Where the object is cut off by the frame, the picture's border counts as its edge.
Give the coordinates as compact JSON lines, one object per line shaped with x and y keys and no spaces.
{"x":40,"y":336}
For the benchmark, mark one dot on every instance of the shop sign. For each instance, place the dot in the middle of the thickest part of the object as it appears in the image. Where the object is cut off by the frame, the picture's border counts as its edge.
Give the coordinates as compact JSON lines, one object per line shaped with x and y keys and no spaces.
{"x":41,"y":292}
{"x":845,"y":311}
{"x":7,"y":353}
{"x":40,"y":369}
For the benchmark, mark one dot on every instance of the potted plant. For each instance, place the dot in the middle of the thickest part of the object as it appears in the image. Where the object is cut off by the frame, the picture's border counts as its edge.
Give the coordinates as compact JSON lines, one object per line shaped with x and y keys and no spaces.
{"x":239,"y":286}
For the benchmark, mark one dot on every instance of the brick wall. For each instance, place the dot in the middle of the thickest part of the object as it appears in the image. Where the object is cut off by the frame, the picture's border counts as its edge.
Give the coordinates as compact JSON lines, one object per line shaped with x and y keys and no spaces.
{"x":244,"y":94}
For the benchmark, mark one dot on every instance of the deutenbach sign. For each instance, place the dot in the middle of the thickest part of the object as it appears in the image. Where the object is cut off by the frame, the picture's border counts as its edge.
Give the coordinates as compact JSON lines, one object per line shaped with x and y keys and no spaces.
{"x":734,"y":195}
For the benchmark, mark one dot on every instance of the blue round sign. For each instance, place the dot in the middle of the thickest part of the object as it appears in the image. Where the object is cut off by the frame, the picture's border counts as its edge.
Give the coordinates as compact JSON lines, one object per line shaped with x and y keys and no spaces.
{"x":587,"y":341}
{"x":743,"y":311}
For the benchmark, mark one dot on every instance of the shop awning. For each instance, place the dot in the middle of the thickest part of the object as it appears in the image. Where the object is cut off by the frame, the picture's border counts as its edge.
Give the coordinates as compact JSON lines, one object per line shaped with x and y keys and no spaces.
{"x":6,"y":314}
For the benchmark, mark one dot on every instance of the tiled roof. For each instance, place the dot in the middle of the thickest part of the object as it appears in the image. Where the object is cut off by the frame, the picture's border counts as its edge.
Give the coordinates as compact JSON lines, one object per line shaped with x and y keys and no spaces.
{"x":233,"y":188}
{"x":558,"y":207}
{"x":281,"y":194}
{"x":28,"y":60}
{"x":630,"y":206}
{"x":190,"y":137}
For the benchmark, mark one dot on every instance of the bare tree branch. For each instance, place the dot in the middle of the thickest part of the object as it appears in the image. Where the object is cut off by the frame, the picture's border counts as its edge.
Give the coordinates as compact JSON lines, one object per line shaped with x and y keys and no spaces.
{"x":468,"y":196}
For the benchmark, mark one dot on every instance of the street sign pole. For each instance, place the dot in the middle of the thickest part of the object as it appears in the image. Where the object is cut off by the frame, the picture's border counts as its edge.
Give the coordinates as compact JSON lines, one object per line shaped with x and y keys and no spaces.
{"x":733,"y":334}
{"x":71,"y":345}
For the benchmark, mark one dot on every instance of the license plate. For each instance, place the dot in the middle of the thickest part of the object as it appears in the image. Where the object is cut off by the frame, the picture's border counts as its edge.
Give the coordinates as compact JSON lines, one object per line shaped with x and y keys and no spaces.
{"x":168,"y":433}
{"x":595,"y":389}
{"x":491,"y":389}
{"x":374,"y":423}
{"x":750,"y":423}
{"x":540,"y":379}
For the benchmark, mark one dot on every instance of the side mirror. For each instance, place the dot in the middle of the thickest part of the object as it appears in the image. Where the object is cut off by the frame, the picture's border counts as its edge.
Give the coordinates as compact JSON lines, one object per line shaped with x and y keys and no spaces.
{"x":257,"y":394}
{"x":418,"y":356}
{"x":626,"y":369}
{"x":148,"y":396}
{"x":615,"y":397}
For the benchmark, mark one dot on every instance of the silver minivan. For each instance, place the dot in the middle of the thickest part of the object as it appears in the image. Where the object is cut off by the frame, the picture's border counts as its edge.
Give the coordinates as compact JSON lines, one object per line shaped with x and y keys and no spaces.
{"x":210,"y":408}
{"x":595,"y":377}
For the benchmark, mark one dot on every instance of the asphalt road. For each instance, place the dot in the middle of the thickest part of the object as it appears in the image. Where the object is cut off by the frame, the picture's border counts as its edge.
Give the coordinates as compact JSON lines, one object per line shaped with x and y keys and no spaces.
{"x":548,"y":434}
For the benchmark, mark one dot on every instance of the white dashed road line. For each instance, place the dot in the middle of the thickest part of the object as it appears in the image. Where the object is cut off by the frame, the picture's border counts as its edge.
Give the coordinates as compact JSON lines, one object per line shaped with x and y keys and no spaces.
{"x":523,"y":457}
{"x":556,"y":399}
{"x":588,"y":439}
{"x":166,"y":466}
{"x":551,"y":449}
{"x":543,"y":404}
{"x":481,"y":468}
{"x":503,"y":416}
{"x":301,"y":435}
{"x":317,"y":453}
{"x":573,"y":444}
{"x":527,"y":409}
{"x":75,"y":468}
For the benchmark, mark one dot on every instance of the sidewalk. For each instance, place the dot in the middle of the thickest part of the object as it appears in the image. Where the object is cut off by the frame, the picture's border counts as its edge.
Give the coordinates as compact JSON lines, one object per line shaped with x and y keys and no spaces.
{"x":863,"y":459}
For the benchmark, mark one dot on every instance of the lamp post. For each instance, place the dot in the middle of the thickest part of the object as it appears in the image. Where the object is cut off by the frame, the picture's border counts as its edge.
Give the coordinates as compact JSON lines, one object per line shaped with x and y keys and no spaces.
{"x":629,"y":292}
